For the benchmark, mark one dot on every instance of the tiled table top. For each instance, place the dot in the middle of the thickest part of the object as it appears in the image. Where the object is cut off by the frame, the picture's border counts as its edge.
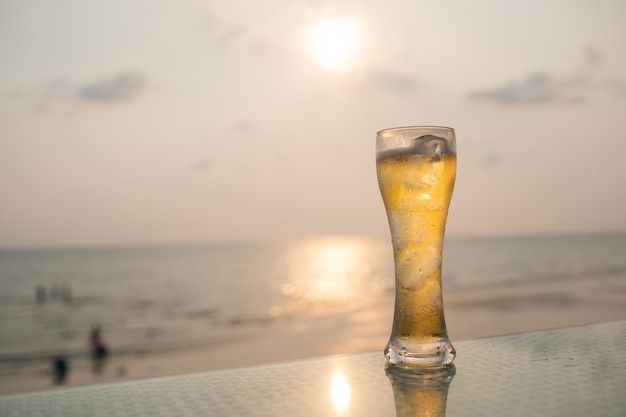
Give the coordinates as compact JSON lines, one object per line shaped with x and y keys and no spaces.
{"x":579,"y":371}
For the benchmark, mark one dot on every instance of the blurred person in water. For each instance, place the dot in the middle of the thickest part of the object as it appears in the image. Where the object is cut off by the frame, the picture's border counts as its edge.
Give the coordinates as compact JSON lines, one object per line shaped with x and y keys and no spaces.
{"x":99,"y":349}
{"x":60,"y":369}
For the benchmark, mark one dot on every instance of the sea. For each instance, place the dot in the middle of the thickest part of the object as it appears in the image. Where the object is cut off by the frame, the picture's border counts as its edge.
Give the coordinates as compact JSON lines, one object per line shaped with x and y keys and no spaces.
{"x":158,"y":298}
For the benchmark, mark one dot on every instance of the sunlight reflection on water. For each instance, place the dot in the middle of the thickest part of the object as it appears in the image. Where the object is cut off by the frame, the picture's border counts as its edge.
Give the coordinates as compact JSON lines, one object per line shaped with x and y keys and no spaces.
{"x":334,"y":268}
{"x":340,"y":392}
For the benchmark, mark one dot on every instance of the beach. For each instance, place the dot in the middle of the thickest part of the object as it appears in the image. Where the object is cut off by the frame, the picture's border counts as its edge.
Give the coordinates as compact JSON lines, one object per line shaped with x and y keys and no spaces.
{"x":354,"y":328}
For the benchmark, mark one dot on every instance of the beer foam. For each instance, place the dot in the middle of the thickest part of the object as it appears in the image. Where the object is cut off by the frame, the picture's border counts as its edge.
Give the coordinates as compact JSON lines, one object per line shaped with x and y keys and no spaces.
{"x":432,"y":145}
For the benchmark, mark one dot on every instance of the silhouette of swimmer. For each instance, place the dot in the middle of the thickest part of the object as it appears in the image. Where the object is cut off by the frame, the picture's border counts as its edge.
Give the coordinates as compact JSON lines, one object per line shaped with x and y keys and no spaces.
{"x":55,"y":292}
{"x":99,"y":349}
{"x":62,"y":292}
{"x":60,"y":369}
{"x":40,"y":293}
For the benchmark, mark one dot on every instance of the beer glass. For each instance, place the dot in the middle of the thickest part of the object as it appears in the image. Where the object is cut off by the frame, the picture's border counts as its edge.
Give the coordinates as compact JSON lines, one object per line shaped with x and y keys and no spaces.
{"x":416,"y":168}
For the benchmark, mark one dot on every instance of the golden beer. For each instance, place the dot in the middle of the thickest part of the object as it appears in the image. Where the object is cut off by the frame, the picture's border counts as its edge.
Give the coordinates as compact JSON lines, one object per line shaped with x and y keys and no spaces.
{"x":416,"y":172}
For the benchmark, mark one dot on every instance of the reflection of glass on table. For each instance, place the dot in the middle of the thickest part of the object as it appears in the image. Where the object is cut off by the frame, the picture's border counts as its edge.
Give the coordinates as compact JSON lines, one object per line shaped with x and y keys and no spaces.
{"x":420,"y":393}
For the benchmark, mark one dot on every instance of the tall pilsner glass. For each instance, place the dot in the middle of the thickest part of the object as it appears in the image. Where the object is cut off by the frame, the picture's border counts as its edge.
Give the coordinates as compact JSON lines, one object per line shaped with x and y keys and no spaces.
{"x":416,"y":168}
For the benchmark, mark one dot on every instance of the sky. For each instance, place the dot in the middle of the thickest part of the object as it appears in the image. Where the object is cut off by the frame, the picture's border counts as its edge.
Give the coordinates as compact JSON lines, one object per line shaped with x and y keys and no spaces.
{"x":188,"y":121}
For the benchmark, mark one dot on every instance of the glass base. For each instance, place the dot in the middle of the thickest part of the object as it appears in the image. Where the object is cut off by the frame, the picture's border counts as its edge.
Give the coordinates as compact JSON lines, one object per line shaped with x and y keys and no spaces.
{"x":423,"y":354}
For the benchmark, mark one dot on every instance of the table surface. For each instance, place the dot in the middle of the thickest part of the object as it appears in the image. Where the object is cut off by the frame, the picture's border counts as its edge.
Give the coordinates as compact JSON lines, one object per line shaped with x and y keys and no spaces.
{"x":578,"y":371}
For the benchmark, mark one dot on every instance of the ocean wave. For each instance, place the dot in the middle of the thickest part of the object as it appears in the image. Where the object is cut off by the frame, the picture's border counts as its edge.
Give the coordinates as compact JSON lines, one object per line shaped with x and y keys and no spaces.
{"x":459,"y":284}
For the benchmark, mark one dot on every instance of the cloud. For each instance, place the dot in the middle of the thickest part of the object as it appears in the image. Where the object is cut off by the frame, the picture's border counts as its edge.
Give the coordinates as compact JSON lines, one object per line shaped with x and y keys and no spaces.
{"x":491,"y":160}
{"x":616,"y":85}
{"x":536,"y":88}
{"x":60,"y":95}
{"x":202,"y":165}
{"x":229,"y":38}
{"x":242,"y":126}
{"x":593,"y":57}
{"x":53,"y":92}
{"x":118,"y":88}
{"x":539,"y":88}
{"x":239,"y":40}
{"x":392,"y":81}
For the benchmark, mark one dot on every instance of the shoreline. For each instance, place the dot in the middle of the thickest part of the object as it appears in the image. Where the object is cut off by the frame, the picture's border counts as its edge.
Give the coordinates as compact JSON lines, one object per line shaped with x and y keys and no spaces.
{"x":362,"y":327}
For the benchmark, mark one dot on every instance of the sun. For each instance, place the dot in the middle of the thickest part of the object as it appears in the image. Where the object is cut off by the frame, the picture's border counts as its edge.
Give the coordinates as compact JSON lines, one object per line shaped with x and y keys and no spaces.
{"x":334,"y":43}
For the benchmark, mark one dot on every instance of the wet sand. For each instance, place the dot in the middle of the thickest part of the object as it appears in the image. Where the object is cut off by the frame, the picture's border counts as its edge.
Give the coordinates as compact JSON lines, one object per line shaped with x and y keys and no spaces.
{"x":360,"y":327}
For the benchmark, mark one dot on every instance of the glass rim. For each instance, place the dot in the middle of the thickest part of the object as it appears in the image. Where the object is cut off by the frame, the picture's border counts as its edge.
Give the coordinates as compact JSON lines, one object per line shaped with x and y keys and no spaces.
{"x":405,"y":128}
